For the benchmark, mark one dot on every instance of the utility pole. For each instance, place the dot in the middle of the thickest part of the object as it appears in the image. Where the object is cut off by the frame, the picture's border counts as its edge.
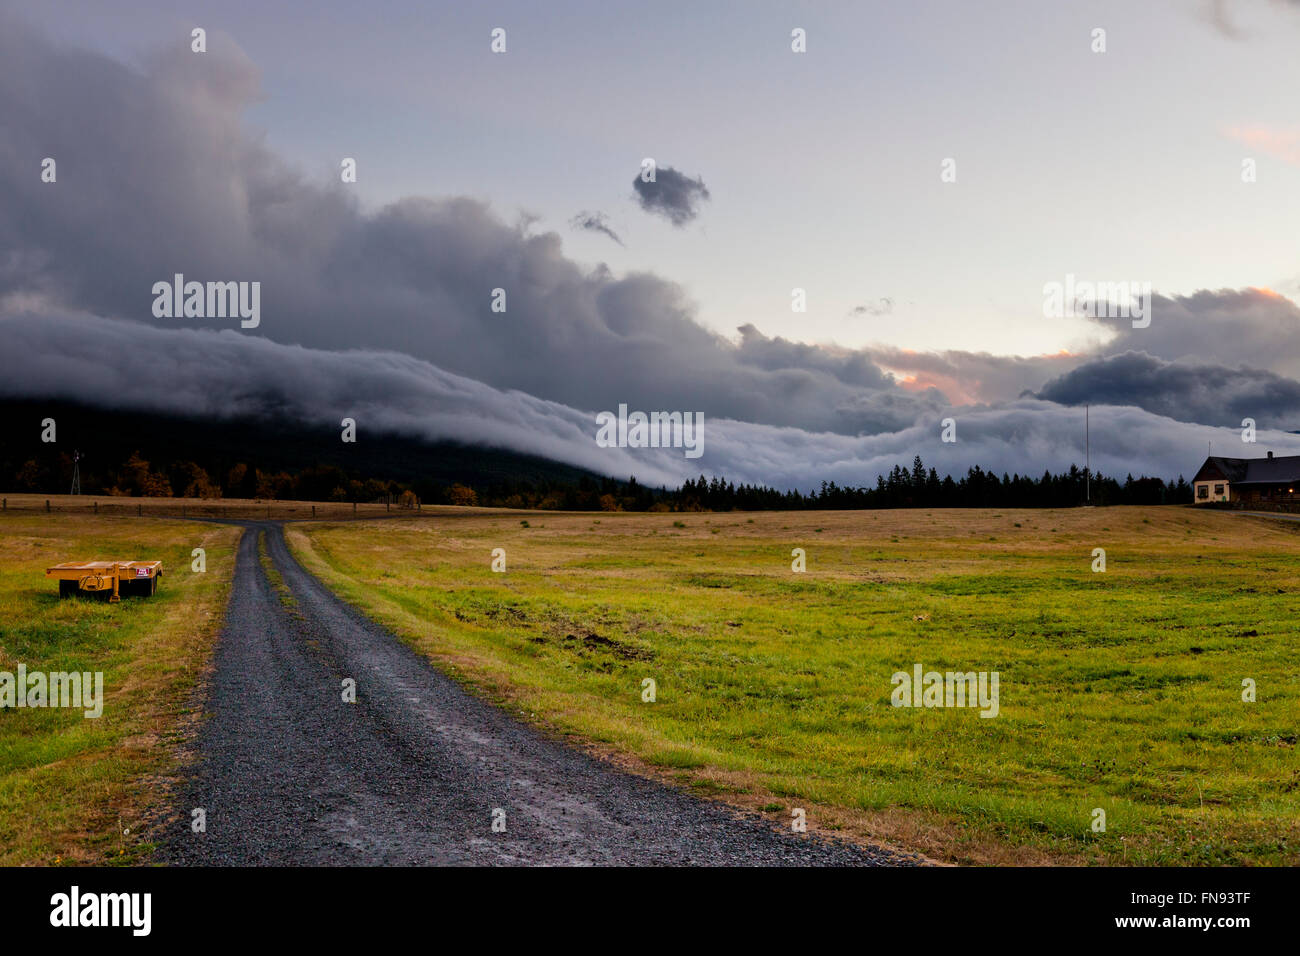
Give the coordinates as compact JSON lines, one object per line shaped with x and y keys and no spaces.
{"x":1087,"y":456}
{"x":76,"y":473}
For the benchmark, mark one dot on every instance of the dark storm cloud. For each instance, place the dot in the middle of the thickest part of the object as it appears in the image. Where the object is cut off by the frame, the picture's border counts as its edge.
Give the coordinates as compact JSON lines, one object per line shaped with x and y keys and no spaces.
{"x":157,"y":176}
{"x":1190,"y":392}
{"x":594,"y":222}
{"x":673,"y":195}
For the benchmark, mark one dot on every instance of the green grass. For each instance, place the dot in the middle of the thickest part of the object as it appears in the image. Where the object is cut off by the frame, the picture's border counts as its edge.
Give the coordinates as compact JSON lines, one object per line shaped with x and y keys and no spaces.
{"x":1120,"y":690}
{"x":78,"y":790}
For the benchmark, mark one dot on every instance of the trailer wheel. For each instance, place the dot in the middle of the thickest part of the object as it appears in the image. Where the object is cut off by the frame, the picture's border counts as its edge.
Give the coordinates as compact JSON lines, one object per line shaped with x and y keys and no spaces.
{"x":67,"y":589}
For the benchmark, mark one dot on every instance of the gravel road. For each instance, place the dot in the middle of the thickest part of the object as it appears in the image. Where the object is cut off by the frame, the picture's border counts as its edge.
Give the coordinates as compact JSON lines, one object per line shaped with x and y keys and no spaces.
{"x":289,"y":774}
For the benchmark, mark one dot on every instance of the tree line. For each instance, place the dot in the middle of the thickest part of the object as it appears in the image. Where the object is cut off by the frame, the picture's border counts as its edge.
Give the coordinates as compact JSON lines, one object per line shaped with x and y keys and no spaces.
{"x":914,"y":487}
{"x":919,"y":487}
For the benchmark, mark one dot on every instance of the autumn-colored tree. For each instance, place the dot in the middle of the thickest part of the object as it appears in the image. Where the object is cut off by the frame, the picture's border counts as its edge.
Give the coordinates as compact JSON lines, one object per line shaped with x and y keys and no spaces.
{"x":195,"y":481}
{"x":156,"y":486}
{"x":135,"y":474}
{"x":272,"y":486}
{"x":461,"y":495}
{"x":138,"y":479}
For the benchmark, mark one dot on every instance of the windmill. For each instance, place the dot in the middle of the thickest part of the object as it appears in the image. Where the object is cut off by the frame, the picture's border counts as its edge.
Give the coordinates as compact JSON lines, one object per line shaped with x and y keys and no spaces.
{"x":76,"y":473}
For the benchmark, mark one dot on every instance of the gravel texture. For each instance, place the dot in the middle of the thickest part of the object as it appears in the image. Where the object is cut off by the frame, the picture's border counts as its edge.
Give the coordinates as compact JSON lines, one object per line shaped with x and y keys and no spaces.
{"x":290,"y":774}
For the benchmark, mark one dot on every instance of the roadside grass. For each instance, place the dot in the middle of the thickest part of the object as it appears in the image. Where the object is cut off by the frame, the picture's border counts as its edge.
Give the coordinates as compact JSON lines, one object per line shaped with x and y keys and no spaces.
{"x":1120,"y":691}
{"x":76,"y":789}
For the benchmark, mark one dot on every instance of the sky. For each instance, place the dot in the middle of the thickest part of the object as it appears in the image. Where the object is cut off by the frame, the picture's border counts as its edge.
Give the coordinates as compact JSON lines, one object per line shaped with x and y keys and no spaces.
{"x":777,"y":170}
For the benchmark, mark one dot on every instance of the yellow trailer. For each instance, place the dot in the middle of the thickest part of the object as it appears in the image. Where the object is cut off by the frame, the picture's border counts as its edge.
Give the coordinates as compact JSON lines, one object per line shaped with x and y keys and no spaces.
{"x":116,"y":577}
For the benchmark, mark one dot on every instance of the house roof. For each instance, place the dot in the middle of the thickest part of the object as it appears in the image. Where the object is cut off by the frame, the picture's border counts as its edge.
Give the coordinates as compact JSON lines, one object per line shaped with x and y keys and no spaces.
{"x":1252,"y":471}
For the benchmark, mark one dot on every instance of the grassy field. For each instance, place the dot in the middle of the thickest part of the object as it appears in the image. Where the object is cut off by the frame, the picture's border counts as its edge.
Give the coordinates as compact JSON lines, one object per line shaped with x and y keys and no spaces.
{"x":73,"y":789}
{"x":1120,"y":691}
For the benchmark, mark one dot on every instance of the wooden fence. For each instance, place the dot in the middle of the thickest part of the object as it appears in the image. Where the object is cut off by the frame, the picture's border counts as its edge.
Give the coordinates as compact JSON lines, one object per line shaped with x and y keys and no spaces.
{"x":237,"y":509}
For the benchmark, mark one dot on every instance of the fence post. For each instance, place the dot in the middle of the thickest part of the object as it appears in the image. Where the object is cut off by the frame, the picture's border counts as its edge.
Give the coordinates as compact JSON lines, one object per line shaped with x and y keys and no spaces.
{"x":6,"y":505}
{"x":47,"y":505}
{"x":96,"y":507}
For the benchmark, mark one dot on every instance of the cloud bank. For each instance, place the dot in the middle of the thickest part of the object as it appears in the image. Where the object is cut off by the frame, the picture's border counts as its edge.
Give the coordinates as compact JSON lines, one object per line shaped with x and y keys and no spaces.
{"x":1182,"y":390}
{"x":229,"y":375}
{"x":387,"y":315}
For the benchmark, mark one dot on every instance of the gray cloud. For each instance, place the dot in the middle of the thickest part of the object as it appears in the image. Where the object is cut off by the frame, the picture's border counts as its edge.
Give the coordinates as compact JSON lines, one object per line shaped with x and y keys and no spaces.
{"x":231,"y":375}
{"x":228,"y":374}
{"x":1235,"y":326}
{"x":1238,"y":327}
{"x":157,"y":176}
{"x":673,"y":195}
{"x":969,"y":377}
{"x":594,"y":222}
{"x":1027,"y":436}
{"x":1185,"y":391}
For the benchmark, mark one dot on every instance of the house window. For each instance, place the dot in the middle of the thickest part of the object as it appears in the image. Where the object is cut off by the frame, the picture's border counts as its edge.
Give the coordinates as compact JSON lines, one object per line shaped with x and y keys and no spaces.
{"x":1202,"y":491}
{"x":1218,"y":489}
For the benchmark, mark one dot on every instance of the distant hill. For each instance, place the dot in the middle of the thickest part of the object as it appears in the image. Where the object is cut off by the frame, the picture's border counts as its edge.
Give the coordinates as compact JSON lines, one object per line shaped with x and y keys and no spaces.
{"x":167,"y":455}
{"x":106,"y":439}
